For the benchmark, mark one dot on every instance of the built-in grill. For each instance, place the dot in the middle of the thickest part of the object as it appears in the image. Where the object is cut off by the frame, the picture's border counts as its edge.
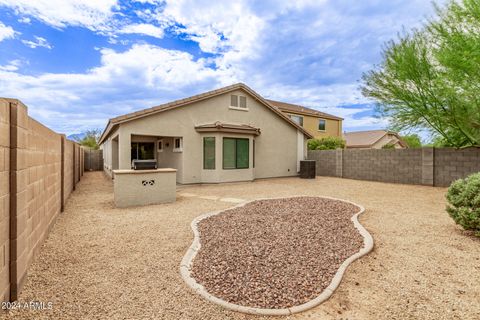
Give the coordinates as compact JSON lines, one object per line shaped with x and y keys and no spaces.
{"x":144,"y":164}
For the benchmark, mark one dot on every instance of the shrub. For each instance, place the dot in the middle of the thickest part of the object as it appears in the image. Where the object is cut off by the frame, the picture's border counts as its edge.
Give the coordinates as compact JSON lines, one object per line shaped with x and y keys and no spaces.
{"x":327,"y":143}
{"x":464,"y":202}
{"x":388,"y":146}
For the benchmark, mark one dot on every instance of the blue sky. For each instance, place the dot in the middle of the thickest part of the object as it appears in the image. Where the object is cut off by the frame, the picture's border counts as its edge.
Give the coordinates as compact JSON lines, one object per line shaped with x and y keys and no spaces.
{"x":76,"y":63}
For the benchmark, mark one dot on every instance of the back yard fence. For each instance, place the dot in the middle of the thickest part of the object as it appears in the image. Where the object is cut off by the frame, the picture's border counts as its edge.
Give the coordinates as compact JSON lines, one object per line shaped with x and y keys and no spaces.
{"x":39,"y":169}
{"x":423,"y":166}
{"x":93,"y":160}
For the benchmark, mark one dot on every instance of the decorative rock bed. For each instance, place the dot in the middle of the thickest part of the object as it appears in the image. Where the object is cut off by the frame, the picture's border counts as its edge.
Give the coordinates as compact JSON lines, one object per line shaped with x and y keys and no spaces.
{"x":274,"y":256}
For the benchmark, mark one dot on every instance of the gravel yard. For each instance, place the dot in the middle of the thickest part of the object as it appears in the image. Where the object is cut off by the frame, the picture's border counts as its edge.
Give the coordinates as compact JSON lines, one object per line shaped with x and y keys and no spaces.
{"x":275,"y":253}
{"x":105,"y":263}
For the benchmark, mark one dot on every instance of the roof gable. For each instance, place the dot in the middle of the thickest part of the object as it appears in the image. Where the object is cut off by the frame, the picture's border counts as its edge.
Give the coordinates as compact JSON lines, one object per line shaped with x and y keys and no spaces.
{"x":114,"y":122}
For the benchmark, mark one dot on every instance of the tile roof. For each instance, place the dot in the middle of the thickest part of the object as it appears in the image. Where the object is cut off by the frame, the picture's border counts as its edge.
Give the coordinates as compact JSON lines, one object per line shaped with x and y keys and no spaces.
{"x":294,"y":108}
{"x":114,"y":122}
{"x":366,"y":138}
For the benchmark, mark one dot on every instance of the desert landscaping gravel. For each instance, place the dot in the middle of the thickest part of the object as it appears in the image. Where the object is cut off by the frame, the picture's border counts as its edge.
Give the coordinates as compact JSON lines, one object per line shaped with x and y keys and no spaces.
{"x":100,"y":262}
{"x":275,"y":253}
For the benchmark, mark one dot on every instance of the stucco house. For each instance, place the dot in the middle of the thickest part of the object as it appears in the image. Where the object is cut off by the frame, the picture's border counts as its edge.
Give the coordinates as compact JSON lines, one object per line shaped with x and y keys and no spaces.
{"x":373,"y":139}
{"x":224,"y":135}
{"x":318,"y":124}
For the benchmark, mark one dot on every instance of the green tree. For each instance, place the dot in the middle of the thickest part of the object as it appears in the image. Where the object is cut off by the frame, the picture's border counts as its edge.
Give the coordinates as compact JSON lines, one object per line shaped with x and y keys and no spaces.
{"x":430,"y":78}
{"x":91,"y":139}
{"x":412,"y":140}
{"x":327,"y":143}
{"x":388,"y":146}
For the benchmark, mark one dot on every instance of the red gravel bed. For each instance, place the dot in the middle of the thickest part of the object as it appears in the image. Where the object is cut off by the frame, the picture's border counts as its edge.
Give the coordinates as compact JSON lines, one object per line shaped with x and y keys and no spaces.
{"x":275,"y":253}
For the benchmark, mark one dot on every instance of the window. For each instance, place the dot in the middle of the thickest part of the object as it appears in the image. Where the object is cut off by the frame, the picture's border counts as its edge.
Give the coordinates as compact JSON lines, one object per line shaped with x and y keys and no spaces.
{"x":321,"y":124}
{"x":238,"y":101}
{"x":297,"y":119}
{"x":209,"y":153}
{"x":236,"y":153}
{"x":177,"y":145}
{"x":160,"y":145}
{"x":143,"y":151}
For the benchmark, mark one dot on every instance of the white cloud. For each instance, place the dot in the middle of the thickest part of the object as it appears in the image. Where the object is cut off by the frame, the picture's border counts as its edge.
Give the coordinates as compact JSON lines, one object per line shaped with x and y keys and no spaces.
{"x":144,"y":29}
{"x":11,"y":65}
{"x":309,"y":52}
{"x":6,"y":32}
{"x":25,"y":20}
{"x":40,"y":42}
{"x":93,"y":15}
{"x":140,"y":77}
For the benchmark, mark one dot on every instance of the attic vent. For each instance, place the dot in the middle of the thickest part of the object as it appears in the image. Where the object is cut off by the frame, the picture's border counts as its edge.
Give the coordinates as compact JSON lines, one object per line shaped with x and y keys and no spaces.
{"x":237,"y":101}
{"x":234,"y":100}
{"x":243,"y":102}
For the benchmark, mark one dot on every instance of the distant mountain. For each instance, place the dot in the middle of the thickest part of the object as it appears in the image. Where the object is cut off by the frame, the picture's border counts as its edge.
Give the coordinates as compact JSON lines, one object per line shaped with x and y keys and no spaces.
{"x":77,"y":136}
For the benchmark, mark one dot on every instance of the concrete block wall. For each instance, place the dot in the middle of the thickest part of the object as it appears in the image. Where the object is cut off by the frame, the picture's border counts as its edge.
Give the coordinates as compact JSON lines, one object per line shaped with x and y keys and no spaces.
{"x":32,"y":189}
{"x":452,"y":164}
{"x":69,"y":170}
{"x":425,"y":166}
{"x":328,"y":165}
{"x":4,"y":200}
{"x":387,"y":165}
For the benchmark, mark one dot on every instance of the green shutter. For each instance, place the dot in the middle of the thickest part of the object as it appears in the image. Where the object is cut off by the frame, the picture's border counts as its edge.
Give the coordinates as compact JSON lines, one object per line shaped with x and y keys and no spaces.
{"x":242,"y":153}
{"x":229,"y":153}
{"x":209,"y":153}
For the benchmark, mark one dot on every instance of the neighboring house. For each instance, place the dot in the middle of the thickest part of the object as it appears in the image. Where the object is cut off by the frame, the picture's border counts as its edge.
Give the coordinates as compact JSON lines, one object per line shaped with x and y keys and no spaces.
{"x":229,"y":134}
{"x":374,"y":139}
{"x":318,"y":124}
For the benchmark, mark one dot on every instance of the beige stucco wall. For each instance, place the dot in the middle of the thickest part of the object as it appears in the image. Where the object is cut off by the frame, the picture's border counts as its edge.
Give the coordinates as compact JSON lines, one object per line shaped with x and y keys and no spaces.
{"x":129,"y":189}
{"x":110,"y":148}
{"x":276,"y":146}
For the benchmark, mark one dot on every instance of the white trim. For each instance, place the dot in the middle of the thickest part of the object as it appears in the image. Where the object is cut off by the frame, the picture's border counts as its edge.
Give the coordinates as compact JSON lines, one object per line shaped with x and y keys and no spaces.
{"x":238,"y":108}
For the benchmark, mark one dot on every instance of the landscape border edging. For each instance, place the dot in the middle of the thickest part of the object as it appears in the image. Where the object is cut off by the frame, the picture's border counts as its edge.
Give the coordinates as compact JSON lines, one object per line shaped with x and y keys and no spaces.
{"x":326,"y":293}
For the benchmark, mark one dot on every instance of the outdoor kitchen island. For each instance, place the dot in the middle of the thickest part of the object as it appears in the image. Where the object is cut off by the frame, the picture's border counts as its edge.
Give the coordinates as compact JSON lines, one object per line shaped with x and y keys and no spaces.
{"x":143,"y":187}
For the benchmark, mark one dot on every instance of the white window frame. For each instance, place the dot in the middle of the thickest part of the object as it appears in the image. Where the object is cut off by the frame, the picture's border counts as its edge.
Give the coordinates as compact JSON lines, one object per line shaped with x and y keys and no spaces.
{"x":319,"y":125}
{"x":180,"y":149}
{"x":238,"y":103}
{"x":160,"y":145}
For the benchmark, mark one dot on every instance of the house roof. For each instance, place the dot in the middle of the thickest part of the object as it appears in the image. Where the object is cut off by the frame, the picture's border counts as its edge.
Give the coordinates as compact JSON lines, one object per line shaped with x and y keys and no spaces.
{"x":294,"y":108}
{"x":114,"y":122}
{"x":227,"y":127}
{"x":366,"y":139}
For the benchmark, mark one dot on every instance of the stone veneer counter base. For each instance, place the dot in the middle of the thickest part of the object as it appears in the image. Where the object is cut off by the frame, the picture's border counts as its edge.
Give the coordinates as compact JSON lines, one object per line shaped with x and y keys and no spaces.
{"x":274,"y":256}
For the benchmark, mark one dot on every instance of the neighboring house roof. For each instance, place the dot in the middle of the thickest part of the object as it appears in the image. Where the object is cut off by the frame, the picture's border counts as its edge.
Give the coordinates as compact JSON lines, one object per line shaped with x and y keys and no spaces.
{"x":294,"y":108}
{"x":227,"y":127}
{"x":114,"y":122}
{"x":366,"y":139}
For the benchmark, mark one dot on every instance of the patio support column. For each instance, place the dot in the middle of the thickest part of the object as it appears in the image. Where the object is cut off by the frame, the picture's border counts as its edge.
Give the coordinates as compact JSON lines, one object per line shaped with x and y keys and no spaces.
{"x":124,"y":152}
